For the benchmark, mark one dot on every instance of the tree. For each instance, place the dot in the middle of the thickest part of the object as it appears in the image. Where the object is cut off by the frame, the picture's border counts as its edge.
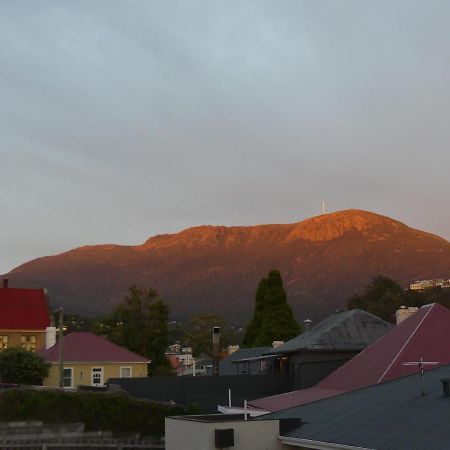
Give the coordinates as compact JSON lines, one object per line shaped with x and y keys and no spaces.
{"x":140,"y":323}
{"x":21,"y":366}
{"x":198,"y":333}
{"x":273,"y":318}
{"x":382,"y":297}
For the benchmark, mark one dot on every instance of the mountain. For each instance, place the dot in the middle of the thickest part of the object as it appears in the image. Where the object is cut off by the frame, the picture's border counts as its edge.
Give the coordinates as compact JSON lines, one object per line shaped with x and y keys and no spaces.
{"x":216,"y":269}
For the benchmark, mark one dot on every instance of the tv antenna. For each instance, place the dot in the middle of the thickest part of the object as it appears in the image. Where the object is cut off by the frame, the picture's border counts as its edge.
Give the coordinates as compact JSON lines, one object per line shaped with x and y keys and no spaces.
{"x":421,"y":364}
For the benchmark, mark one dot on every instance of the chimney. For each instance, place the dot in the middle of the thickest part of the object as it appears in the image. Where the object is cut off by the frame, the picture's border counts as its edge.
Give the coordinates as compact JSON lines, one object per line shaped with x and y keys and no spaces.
{"x":50,"y":337}
{"x":276,"y":344}
{"x":445,"y":387}
{"x":5,"y":283}
{"x":404,"y":312}
{"x":216,"y":341}
{"x":307,"y":323}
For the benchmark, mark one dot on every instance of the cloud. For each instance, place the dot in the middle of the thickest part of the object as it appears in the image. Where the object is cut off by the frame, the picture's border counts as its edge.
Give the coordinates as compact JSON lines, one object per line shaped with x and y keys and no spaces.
{"x":119,"y":121}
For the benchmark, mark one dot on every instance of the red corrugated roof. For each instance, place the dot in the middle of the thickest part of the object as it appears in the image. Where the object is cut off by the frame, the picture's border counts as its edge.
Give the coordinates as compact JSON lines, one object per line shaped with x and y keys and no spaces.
{"x":23,"y":309}
{"x":425,"y":334}
{"x":88,"y":347}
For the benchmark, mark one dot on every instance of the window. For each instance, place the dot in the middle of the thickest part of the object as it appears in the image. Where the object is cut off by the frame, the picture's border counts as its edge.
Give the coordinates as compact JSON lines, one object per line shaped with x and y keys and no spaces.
{"x":68,"y":377}
{"x":28,"y":342}
{"x":97,"y":376}
{"x":125,"y":372}
{"x":3,"y":343}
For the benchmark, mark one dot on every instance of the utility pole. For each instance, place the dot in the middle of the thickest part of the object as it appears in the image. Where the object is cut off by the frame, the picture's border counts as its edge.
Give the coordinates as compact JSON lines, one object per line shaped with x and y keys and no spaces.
{"x":61,"y":347}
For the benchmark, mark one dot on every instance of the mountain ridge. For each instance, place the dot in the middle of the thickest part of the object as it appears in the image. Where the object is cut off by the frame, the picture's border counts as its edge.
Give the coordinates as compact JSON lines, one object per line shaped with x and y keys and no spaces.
{"x":208,"y":268}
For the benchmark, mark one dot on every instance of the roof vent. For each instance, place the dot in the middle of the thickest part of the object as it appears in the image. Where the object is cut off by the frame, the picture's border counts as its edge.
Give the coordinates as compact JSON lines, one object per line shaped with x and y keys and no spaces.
{"x":445,"y":387}
{"x":5,"y":283}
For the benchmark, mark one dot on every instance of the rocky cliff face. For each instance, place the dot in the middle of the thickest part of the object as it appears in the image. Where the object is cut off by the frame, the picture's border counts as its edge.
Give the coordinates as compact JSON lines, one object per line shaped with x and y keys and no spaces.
{"x":216,"y":269}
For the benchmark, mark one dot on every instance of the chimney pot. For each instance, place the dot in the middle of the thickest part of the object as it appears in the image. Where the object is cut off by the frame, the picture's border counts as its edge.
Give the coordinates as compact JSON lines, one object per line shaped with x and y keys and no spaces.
{"x":5,"y":283}
{"x":307,"y":323}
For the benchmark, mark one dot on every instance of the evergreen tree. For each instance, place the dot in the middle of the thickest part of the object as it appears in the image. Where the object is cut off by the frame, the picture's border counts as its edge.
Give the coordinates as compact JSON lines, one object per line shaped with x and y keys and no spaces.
{"x":273,"y":318}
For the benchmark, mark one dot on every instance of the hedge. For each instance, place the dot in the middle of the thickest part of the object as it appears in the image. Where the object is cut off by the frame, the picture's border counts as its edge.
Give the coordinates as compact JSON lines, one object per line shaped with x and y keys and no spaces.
{"x":116,"y":412}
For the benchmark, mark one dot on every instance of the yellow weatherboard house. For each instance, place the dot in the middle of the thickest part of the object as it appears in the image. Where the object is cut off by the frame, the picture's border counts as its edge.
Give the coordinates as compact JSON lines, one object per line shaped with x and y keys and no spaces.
{"x":90,"y":360}
{"x":25,"y":319}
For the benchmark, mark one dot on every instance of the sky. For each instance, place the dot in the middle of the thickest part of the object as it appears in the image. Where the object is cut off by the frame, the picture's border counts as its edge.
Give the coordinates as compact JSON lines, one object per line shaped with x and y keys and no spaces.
{"x":120,"y":120}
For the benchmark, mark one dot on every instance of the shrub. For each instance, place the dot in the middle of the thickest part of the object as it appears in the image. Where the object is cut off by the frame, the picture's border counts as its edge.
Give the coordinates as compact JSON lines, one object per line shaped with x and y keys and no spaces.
{"x":116,"y":412}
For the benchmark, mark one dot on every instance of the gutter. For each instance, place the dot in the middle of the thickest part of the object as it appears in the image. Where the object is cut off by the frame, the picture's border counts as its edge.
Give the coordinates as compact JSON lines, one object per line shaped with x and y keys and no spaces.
{"x":317,"y":445}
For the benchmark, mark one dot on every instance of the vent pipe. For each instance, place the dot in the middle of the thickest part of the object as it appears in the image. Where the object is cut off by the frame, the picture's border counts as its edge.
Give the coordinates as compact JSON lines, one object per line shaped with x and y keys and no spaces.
{"x":5,"y":283}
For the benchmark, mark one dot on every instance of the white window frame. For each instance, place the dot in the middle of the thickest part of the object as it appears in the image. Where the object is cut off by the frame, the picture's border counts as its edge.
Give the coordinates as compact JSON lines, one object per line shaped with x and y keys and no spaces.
{"x":71,"y":378}
{"x":126,"y":367}
{"x":100,"y":370}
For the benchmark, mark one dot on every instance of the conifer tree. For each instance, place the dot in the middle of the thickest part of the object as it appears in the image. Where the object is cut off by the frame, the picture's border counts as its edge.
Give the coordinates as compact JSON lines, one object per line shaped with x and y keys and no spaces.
{"x":273,"y":318}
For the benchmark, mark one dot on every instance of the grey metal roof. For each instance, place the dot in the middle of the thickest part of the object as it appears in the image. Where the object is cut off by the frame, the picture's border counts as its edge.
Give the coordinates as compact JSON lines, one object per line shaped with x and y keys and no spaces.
{"x":389,"y":416}
{"x":226,"y":366}
{"x":354,"y":329}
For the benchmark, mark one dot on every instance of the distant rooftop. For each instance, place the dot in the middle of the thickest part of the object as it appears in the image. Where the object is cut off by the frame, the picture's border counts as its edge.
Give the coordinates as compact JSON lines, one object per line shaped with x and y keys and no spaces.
{"x":228,"y":367}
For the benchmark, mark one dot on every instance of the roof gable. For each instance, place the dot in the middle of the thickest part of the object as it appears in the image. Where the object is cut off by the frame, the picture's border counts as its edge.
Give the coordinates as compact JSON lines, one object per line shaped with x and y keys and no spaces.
{"x":23,"y":309}
{"x":88,"y":347}
{"x":425,"y":334}
{"x":351,"y":330}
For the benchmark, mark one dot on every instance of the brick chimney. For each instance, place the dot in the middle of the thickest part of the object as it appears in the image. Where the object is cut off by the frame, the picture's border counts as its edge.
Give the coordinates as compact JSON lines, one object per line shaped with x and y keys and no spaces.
{"x":5,"y":283}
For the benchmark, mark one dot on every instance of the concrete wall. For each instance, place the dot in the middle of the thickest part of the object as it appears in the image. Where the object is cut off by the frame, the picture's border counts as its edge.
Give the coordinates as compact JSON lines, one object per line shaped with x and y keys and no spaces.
{"x":82,"y":372}
{"x":184,"y":434}
{"x":15,"y":337}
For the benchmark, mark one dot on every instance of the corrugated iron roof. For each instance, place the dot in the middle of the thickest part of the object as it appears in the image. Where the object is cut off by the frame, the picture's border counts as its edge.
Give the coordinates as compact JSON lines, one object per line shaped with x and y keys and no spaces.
{"x":386,"y":416}
{"x":87,"y":347}
{"x":23,"y":309}
{"x":425,"y":334}
{"x":351,"y":330}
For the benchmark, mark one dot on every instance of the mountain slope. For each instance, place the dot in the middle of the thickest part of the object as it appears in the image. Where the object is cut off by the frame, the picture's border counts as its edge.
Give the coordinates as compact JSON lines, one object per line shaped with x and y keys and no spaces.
{"x":215,"y":269}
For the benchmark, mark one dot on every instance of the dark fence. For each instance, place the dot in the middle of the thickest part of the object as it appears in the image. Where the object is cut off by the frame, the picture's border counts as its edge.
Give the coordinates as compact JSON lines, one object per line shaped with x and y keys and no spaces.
{"x":203,"y":391}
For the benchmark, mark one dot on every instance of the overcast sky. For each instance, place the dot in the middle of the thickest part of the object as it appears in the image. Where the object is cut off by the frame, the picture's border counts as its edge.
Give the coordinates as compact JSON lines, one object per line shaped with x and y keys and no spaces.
{"x":124,"y":119}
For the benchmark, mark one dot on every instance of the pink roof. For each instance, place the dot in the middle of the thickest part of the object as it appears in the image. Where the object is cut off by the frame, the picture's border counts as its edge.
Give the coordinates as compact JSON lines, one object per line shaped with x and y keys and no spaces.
{"x":88,"y":347}
{"x":23,"y":309}
{"x":425,"y":334}
{"x":294,"y":398}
